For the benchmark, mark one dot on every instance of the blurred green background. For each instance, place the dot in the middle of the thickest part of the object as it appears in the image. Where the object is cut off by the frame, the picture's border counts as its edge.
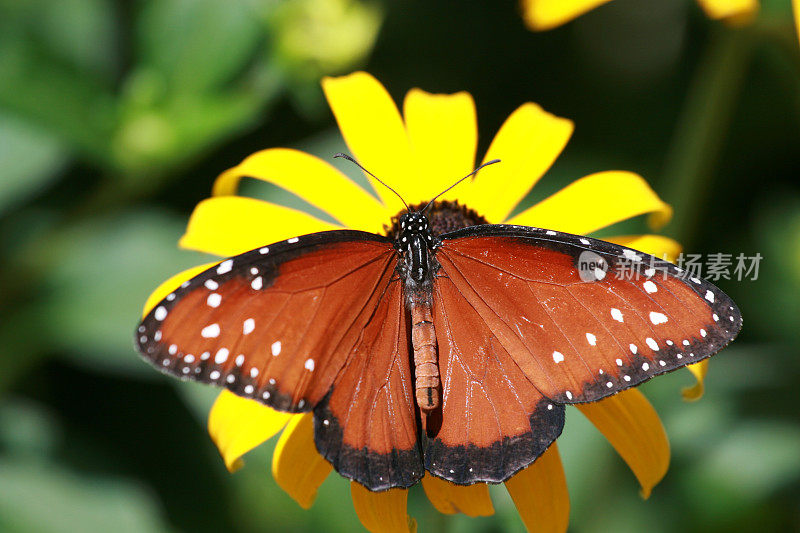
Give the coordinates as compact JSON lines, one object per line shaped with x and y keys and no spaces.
{"x":116,"y":116}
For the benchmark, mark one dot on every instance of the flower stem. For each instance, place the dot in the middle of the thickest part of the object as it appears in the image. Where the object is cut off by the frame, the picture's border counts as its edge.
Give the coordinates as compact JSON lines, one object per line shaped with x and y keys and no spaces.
{"x":702,"y":127}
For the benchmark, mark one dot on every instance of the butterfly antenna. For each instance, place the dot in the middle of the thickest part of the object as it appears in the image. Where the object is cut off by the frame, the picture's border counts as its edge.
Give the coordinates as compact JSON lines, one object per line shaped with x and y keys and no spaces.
{"x":486,"y":164}
{"x":356,"y":163}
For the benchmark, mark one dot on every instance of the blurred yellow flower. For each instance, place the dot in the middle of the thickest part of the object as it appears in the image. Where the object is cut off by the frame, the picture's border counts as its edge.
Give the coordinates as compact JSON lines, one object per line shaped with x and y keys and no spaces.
{"x":420,"y":153}
{"x":324,"y":36}
{"x":547,"y":14}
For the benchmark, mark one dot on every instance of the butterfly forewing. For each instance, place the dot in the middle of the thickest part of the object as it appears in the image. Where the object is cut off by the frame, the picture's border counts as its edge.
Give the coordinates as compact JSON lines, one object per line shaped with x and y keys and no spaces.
{"x":581,"y":340}
{"x":276,"y":324}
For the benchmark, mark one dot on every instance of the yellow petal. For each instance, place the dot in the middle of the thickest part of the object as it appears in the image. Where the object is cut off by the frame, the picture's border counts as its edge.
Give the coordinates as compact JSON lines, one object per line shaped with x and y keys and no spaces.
{"x":735,"y":12}
{"x":312,"y":179}
{"x":373,"y":129}
{"x":171,"y":284}
{"x":633,"y":428}
{"x":230,"y":225}
{"x":383,"y":512}
{"x":237,"y":425}
{"x":695,"y":392}
{"x":661,"y":247}
{"x":296,"y":465}
{"x":527,"y":144}
{"x":547,"y":14}
{"x":796,"y":8}
{"x":448,"y":498}
{"x":443,"y":134}
{"x":540,"y":494}
{"x":594,"y":202}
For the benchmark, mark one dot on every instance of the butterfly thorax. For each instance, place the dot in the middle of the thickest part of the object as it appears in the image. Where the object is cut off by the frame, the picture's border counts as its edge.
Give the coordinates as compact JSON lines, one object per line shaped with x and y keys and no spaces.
{"x":415,"y":245}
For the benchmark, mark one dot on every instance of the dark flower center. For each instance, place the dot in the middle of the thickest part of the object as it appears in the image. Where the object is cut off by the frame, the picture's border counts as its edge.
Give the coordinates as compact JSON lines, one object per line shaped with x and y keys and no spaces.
{"x":443,"y":216}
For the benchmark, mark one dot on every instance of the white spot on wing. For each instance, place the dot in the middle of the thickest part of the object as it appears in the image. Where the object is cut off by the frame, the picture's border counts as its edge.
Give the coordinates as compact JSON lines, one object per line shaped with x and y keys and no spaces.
{"x":650,"y":287}
{"x":225,"y":267}
{"x":292,"y":240}
{"x":616,"y":314}
{"x":239,"y":359}
{"x":652,"y":344}
{"x":584,"y":241}
{"x":214,"y":299}
{"x":658,"y":318}
{"x":591,"y":339}
{"x":209,"y":332}
{"x":558,"y":357}
{"x":550,"y":233}
{"x":248,"y":326}
{"x":569,"y":395}
{"x":257,"y":283}
{"x":645,"y":367}
{"x":276,"y":348}
{"x":222,"y":356}
{"x":264,"y":250}
{"x":161,"y":313}
{"x":630,"y":254}
{"x":633,"y":348}
{"x":211,"y":285}
{"x":710,"y":296}
{"x":309,"y":365}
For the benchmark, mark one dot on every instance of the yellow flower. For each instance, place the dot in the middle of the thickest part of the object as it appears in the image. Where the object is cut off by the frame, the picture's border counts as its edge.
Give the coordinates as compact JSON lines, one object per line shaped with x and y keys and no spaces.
{"x":421,"y":153}
{"x":548,"y":14}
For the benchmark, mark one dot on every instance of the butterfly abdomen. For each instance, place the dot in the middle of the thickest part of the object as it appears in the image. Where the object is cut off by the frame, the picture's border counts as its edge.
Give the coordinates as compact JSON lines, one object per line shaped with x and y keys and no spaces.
{"x":426,"y":365}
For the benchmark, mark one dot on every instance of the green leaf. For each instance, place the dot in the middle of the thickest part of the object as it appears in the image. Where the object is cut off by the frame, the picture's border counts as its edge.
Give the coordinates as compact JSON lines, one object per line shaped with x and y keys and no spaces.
{"x":159,"y":138}
{"x":55,"y":96}
{"x":30,"y":160}
{"x":197,"y":45}
{"x":39,"y":498}
{"x":64,"y":26}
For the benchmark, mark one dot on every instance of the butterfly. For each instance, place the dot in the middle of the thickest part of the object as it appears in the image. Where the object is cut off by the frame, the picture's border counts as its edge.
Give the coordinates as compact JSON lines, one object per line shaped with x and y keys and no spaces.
{"x":448,"y":345}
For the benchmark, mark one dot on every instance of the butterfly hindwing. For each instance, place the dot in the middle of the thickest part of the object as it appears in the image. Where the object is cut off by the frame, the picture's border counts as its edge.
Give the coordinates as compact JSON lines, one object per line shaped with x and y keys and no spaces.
{"x":366,"y":427}
{"x":582,"y":340}
{"x":275,"y":324}
{"x":494,"y":421}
